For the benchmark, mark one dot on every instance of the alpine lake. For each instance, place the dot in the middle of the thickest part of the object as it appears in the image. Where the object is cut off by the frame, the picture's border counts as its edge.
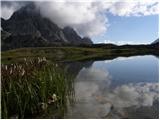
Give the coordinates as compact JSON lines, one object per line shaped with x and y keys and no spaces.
{"x":109,"y":88}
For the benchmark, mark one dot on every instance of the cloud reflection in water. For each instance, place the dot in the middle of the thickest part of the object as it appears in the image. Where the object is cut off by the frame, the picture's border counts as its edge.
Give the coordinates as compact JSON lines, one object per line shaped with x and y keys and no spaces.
{"x":95,"y":97}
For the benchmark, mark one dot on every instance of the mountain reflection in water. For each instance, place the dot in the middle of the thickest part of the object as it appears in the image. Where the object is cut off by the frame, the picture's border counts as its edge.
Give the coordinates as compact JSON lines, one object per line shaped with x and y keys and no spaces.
{"x":98,"y":96}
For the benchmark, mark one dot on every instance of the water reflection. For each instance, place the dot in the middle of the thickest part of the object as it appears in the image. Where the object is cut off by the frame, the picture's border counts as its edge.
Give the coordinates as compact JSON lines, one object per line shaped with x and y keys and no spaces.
{"x":74,"y":68}
{"x":97,"y":97}
{"x":131,"y":70}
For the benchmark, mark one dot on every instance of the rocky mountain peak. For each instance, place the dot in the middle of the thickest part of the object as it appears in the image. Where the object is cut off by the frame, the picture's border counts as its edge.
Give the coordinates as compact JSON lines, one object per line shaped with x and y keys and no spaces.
{"x":27,"y":21}
{"x":25,"y":12}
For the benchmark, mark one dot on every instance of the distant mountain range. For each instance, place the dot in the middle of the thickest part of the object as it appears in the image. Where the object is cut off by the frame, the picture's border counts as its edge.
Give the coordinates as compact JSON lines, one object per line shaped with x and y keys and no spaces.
{"x":27,"y":28}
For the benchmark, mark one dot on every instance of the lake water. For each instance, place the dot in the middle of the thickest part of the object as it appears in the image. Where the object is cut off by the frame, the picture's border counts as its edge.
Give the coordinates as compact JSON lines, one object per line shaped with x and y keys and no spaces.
{"x":125,"y":87}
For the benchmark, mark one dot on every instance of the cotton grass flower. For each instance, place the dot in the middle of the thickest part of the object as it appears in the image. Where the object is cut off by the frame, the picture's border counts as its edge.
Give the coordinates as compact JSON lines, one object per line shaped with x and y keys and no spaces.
{"x":25,"y":59}
{"x":52,"y":99}
{"x":20,"y":67}
{"x":11,"y":71}
{"x":23,"y":72}
{"x":15,"y":67}
{"x":6,"y":67}
{"x":56,"y":65}
{"x":44,"y":59}
{"x":44,"y":106}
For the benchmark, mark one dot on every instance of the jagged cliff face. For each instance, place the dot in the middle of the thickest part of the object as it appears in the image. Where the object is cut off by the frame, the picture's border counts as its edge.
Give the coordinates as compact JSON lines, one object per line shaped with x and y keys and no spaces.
{"x":27,"y":28}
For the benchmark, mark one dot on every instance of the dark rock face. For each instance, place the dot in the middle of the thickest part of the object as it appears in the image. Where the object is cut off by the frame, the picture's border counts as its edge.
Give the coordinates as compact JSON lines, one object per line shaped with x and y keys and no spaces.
{"x":155,"y":42}
{"x":87,"y":40}
{"x":74,"y":38}
{"x":18,"y":41}
{"x":28,"y":25}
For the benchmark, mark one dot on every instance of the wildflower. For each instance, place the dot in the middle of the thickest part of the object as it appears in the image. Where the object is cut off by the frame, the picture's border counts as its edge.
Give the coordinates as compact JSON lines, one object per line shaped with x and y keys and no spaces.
{"x":25,"y":59}
{"x":11,"y":71}
{"x":31,"y":61}
{"x":52,"y":99}
{"x":39,"y":60}
{"x":44,"y":106}
{"x":23,"y":71}
{"x":20,"y":67}
{"x":6,"y":67}
{"x":15,"y":66}
{"x":44,"y":59}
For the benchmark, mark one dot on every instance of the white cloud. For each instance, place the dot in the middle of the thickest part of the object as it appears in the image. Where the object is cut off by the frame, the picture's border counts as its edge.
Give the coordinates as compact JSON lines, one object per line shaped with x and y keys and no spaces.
{"x":85,"y":17}
{"x":9,"y":7}
{"x":135,"y":8}
{"x":7,"y":12}
{"x":123,"y":42}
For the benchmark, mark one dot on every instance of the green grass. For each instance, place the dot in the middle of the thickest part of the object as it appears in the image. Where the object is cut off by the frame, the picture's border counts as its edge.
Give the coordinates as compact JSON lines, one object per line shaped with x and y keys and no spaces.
{"x":32,"y":87}
{"x":72,"y":53}
{"x":54,"y":54}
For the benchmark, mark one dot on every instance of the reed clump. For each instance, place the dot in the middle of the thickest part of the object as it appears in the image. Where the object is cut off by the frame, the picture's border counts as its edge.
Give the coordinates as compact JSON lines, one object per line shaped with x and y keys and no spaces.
{"x":30,"y":87}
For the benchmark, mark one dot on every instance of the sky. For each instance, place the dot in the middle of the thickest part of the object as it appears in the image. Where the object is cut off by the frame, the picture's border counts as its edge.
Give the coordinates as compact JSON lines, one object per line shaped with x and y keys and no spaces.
{"x":104,"y":21}
{"x":130,"y":30}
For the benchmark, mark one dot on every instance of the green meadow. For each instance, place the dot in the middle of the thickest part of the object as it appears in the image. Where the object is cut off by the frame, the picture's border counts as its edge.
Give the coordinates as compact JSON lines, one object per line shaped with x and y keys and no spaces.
{"x":73,"y":53}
